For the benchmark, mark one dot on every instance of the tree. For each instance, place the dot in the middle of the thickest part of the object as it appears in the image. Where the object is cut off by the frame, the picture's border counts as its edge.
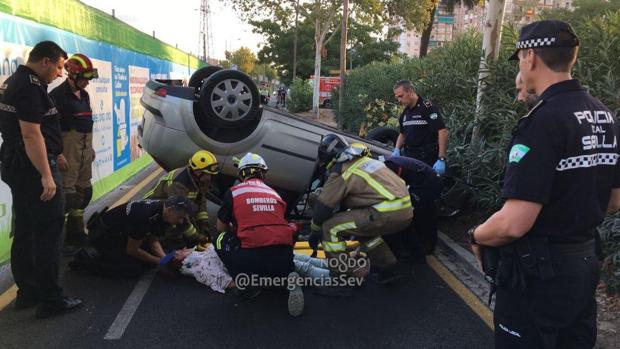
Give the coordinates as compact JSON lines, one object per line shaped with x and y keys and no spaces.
{"x":491,"y":40}
{"x":243,"y":58}
{"x":449,"y":4}
{"x":325,"y":15}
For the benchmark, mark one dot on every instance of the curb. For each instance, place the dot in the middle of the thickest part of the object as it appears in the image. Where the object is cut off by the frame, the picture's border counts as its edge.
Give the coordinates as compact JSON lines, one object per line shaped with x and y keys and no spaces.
{"x":464,"y":266}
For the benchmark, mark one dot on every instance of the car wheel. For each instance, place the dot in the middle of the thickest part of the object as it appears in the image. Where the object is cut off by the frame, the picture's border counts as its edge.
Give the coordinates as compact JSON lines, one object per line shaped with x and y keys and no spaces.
{"x":198,"y":78}
{"x":385,"y":135}
{"x":327,"y":103}
{"x":229,"y":98}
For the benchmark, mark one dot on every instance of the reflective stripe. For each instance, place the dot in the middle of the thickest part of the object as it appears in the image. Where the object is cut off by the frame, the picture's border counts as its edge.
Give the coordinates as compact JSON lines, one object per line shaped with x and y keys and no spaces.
{"x":367,"y":177}
{"x":333,"y":232}
{"x":244,"y":190}
{"x":76,"y":213}
{"x":192,"y":195}
{"x":202,"y":215}
{"x":393,"y":205}
{"x":315,"y":227}
{"x":218,"y":242}
{"x":79,"y":59}
{"x":334,"y":246}
{"x":374,"y":243}
{"x":8,"y":108}
{"x":191,"y":230}
{"x":166,"y":180}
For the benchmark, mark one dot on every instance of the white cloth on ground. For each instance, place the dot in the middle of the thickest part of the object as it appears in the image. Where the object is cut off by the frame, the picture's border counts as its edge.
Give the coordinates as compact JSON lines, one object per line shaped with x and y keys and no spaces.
{"x":207,"y":268}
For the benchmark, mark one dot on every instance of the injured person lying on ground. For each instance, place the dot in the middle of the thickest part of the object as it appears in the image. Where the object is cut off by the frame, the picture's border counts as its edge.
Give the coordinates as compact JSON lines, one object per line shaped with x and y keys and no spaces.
{"x":203,"y":264}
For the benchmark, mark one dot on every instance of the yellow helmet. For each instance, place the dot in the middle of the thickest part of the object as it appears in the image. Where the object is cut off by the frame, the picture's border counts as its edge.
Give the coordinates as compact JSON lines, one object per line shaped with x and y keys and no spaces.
{"x":358,"y":149}
{"x":204,"y":161}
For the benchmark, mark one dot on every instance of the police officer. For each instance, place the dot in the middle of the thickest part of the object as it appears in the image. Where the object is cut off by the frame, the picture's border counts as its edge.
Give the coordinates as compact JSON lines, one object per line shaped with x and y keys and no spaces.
{"x":254,"y":237}
{"x":423,"y":135}
{"x":424,"y":185}
{"x":127,"y":236}
{"x":562,"y":177}
{"x":31,"y":142}
{"x":372,"y":201}
{"x":75,"y":162}
{"x":192,"y":181}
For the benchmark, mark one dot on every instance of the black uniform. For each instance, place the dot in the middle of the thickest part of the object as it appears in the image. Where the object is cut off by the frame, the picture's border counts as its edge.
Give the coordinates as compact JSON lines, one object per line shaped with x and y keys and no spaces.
{"x":419,"y":125}
{"x":109,"y":233}
{"x":76,"y":112}
{"x":424,"y":185}
{"x":37,"y":224}
{"x":563,"y":155}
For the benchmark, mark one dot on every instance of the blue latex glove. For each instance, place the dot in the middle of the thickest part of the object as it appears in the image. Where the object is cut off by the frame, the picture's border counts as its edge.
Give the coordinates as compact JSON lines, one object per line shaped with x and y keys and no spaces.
{"x":314,"y":240}
{"x":396,"y":152}
{"x":440,"y":167}
{"x":167,"y":258}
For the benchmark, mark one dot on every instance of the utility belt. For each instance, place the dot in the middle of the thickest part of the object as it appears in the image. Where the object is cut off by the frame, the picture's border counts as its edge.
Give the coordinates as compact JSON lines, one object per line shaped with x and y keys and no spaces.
{"x":82,"y":126}
{"x":512,"y":265}
{"x":13,"y":158}
{"x":420,"y":152}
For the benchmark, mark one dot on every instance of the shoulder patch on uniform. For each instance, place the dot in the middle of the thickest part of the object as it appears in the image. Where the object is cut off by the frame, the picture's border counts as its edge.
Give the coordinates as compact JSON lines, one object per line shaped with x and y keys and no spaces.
{"x":34,"y":80}
{"x":517,"y":152}
{"x":428,"y":103}
{"x":433,"y":116}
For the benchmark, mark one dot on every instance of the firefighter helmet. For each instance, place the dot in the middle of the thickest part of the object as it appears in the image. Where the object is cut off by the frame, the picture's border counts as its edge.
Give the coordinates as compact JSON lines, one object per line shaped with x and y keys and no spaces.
{"x":80,"y":66}
{"x":204,"y":161}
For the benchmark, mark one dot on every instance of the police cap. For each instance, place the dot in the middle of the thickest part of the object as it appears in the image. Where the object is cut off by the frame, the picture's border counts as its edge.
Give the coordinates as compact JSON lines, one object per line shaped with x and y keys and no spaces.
{"x":547,"y":33}
{"x":181,"y":204}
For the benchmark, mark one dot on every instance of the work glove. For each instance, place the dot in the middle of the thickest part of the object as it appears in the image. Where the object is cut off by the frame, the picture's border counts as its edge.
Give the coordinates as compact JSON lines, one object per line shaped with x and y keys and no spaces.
{"x":440,"y":167}
{"x":396,"y":152}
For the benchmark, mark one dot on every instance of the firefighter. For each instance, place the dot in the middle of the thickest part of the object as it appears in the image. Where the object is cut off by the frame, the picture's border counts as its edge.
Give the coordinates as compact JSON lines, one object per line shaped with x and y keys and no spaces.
{"x":191,"y":181}
{"x":372,"y":201}
{"x":254,"y":237}
{"x":75,"y":162}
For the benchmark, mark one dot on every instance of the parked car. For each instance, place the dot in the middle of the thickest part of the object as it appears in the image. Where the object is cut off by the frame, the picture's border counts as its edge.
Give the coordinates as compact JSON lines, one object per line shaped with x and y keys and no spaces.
{"x":220,"y":111}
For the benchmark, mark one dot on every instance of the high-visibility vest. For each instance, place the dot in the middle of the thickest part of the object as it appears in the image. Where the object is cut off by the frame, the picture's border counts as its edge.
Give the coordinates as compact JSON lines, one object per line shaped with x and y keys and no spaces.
{"x":259,"y":213}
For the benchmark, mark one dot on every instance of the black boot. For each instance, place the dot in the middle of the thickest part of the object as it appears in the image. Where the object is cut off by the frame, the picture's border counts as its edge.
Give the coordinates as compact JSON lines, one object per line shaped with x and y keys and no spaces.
{"x":62,"y":306}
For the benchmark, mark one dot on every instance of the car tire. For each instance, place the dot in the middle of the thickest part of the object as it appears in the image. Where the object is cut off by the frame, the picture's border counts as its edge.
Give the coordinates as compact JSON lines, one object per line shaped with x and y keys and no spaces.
{"x":230,"y":99}
{"x":327,"y":104}
{"x":198,"y":78}
{"x":385,"y":135}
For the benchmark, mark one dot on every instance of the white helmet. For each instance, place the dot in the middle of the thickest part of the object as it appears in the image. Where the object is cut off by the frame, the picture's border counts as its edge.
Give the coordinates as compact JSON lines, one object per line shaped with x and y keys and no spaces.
{"x":249,"y":161}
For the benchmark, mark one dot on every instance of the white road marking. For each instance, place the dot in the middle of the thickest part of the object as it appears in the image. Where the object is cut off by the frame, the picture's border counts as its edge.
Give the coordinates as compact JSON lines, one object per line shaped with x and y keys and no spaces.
{"x":123,"y":318}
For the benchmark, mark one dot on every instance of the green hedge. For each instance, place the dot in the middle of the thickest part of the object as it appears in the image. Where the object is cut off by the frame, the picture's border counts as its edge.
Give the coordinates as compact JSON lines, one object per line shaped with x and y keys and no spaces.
{"x":448,"y":76}
{"x":300,"y":98}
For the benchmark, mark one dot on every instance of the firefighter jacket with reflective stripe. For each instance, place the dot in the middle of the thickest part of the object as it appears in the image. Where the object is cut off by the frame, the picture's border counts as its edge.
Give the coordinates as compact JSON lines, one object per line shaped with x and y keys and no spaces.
{"x":181,"y":182}
{"x":361,"y":183}
{"x":259,"y":213}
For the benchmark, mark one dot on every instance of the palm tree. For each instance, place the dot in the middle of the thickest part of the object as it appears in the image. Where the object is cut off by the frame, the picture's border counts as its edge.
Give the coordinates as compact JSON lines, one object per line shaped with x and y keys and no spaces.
{"x":449,"y":4}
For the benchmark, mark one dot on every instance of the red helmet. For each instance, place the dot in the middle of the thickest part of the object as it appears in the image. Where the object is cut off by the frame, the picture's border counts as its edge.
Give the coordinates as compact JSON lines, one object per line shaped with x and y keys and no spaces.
{"x":80,"y":66}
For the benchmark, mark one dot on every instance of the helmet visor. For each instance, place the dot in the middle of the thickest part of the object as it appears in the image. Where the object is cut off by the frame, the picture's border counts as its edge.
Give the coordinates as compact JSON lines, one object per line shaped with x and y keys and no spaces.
{"x":89,"y":75}
{"x":211,"y":169}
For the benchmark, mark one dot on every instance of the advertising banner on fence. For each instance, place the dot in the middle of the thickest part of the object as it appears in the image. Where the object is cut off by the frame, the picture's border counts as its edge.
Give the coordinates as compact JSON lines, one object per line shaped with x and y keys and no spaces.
{"x":115,"y":99}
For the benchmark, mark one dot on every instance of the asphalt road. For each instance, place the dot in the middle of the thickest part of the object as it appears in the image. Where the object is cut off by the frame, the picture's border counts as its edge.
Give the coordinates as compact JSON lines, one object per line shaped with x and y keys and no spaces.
{"x":421,"y":312}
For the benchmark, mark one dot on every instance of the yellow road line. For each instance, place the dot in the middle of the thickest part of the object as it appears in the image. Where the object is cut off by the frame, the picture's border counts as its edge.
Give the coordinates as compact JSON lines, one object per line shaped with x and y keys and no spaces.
{"x":466,"y":295}
{"x":137,"y":188}
{"x":9,"y":295}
